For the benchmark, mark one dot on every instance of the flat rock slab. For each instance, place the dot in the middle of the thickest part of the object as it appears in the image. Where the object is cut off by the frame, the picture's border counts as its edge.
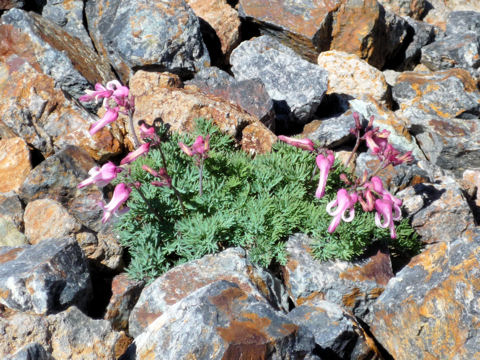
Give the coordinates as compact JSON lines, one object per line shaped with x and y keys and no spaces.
{"x":132,"y":34}
{"x":230,"y":265}
{"x":44,"y":278}
{"x":220,"y":321}
{"x":296,"y":83}
{"x":353,"y":286}
{"x":430,"y":308}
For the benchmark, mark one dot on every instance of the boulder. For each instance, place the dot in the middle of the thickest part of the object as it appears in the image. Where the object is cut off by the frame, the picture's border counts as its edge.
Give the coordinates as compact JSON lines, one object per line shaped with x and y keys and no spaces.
{"x":221,"y":321}
{"x":415,"y":9}
{"x":421,"y":34}
{"x":33,"y":351}
{"x":161,"y":34}
{"x":331,"y":132}
{"x":10,"y":4}
{"x":441,"y":9}
{"x":9,"y":234}
{"x":44,"y":278}
{"x":461,"y":22}
{"x":11,"y":209}
{"x":176,"y":284}
{"x":14,"y":163}
{"x":289,"y":80}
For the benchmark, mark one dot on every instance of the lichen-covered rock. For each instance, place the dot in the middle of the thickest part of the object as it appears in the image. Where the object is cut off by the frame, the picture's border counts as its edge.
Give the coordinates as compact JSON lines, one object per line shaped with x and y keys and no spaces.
{"x":181,"y":281}
{"x":47,"y":218}
{"x":162,"y":96}
{"x":108,"y":251}
{"x":257,"y":138}
{"x":422,"y":34}
{"x":353,"y":286}
{"x":350,"y":75}
{"x":415,"y":9}
{"x":33,"y":108}
{"x":439,"y":212}
{"x":9,"y":234}
{"x":51,"y":50}
{"x":14,"y":164}
{"x":68,"y":14}
{"x":44,"y":278}
{"x":430,"y":309}
{"x":134,"y":34}
{"x":10,"y":4}
{"x":11,"y":209}
{"x":221,"y":321}
{"x":425,"y":96}
{"x":460,"y":22}
{"x":125,"y":293}
{"x":337,"y":333}
{"x":441,"y":9}
{"x":287,"y":78}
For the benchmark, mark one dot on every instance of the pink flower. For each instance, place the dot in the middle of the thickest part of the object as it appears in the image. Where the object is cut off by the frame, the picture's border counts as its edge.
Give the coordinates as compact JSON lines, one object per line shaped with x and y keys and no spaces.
{"x":146,"y":132}
{"x":324,"y":164}
{"x":100,"y":93}
{"x":304,"y":144}
{"x":120,"y":195}
{"x":101,"y":176}
{"x":201,"y":145}
{"x":142,"y":149}
{"x":150,"y":170}
{"x":343,"y":202}
{"x":119,"y":92}
{"x":110,"y":116}
{"x":385,"y":207}
{"x":186,"y":149}
{"x":376,"y":141}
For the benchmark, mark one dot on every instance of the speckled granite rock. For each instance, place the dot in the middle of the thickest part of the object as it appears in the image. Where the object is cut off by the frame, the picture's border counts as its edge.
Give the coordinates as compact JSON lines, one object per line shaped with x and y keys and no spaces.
{"x":14,"y":163}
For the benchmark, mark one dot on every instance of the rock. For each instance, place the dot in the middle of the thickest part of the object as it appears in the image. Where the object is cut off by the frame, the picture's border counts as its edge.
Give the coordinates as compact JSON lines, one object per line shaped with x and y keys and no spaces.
{"x":350,"y":75}
{"x":162,"y":96}
{"x":440,"y":9}
{"x":57,"y":178}
{"x":11,"y":209}
{"x":31,"y":107}
{"x":422,"y":34}
{"x":422,"y":97}
{"x":10,"y":4}
{"x":391,"y":76}
{"x":108,"y":251}
{"x":250,"y":94}
{"x":338,"y":335}
{"x":52,"y":51}
{"x":331,"y":132}
{"x":220,"y":17}
{"x":461,"y":22}
{"x":66,"y":335}
{"x":458,"y":51}
{"x":397,"y":36}
{"x":125,"y":293}
{"x":14,"y":164}
{"x":161,"y":34}
{"x":415,"y":9}
{"x":288,"y":79}
{"x":221,"y":321}
{"x":471,"y":183}
{"x":176,"y":284}
{"x":44,"y":278}
{"x":303,"y":25}
{"x":33,"y":351}
{"x":257,"y":138}
{"x":453,"y":144}
{"x":430,"y":309}
{"x":46,"y":218}
{"x":439,"y":212}
{"x":353,"y":286}
{"x":9,"y":234}
{"x":69,"y":16}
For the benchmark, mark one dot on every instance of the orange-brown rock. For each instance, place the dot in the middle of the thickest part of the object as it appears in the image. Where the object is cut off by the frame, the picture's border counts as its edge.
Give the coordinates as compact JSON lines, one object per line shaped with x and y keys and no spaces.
{"x":257,"y":138}
{"x":162,"y":96}
{"x":14,"y":163}
{"x":31,"y":107}
{"x":222,"y":18}
{"x":430,"y":309}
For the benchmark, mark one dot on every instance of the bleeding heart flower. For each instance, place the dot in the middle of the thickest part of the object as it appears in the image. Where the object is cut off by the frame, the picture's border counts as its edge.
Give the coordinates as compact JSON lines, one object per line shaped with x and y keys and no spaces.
{"x":120,"y":196}
{"x":142,"y":149}
{"x":304,"y":144}
{"x":343,"y":202}
{"x":110,"y":116}
{"x":146,"y":132}
{"x":384,"y":210}
{"x":324,"y":164}
{"x":186,"y":149}
{"x":201,"y":145}
{"x":100,"y":93}
{"x":101,"y":176}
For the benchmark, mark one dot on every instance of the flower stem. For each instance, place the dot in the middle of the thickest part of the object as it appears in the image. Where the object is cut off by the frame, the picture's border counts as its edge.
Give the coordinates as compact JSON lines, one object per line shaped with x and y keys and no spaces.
{"x":200,"y":180}
{"x":132,"y":130}
{"x":355,"y":148}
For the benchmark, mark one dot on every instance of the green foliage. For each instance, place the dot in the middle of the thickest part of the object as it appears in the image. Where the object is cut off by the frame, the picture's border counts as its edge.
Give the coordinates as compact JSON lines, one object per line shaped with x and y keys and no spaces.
{"x":255,"y":203}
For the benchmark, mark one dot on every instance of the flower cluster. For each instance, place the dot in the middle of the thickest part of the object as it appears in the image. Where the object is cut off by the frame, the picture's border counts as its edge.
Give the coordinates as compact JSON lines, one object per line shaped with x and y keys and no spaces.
{"x":368,"y":190}
{"x":199,"y":150}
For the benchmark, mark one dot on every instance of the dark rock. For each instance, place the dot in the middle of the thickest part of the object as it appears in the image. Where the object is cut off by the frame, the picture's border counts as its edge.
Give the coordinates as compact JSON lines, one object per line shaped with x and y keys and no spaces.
{"x":330,"y":132}
{"x":351,"y":285}
{"x":461,"y":22}
{"x":32,"y":351}
{"x":231,"y":265}
{"x":289,"y":80}
{"x":250,"y":95}
{"x":430,"y":308}
{"x":11,"y":208}
{"x":412,"y":8}
{"x":220,"y":321}
{"x":57,"y":178}
{"x":338,"y":335}
{"x":396,"y":34}
{"x":422,"y":34}
{"x":73,"y":66}
{"x":162,"y":35}
{"x":44,"y":278}
{"x":69,"y":16}
{"x":439,"y":212}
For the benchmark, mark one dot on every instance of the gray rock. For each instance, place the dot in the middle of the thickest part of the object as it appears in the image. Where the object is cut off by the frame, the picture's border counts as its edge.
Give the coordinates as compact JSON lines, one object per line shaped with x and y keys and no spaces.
{"x":396,"y":33}
{"x":11,"y":208}
{"x":460,"y":22}
{"x":164,"y":35}
{"x":337,"y":334}
{"x":73,"y":66}
{"x":422,"y":34}
{"x":292,"y":82}
{"x":9,"y":234}
{"x":331,"y":132}
{"x":220,"y":321}
{"x":69,"y":16}
{"x":351,"y":285}
{"x":231,"y":265}
{"x":32,"y":351}
{"x":44,"y":278}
